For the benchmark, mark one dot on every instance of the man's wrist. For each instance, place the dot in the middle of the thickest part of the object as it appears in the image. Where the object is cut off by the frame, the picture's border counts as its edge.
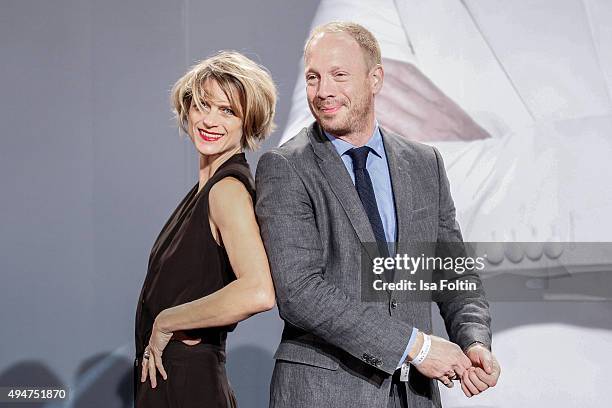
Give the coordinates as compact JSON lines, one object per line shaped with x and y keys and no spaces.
{"x":417,"y":346}
{"x":474,"y":344}
{"x":423,"y":352}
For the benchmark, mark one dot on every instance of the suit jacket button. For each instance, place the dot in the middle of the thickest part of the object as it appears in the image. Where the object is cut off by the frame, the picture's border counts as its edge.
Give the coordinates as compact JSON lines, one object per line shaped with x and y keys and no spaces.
{"x":393,"y":304}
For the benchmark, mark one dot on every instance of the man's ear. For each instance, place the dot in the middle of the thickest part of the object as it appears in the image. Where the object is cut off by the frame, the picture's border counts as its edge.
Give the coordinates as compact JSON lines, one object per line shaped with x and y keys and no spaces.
{"x":377,"y":75}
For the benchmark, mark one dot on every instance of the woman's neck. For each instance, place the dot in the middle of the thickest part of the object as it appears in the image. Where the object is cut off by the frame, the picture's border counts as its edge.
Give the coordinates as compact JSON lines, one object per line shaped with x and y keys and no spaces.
{"x":209,"y":164}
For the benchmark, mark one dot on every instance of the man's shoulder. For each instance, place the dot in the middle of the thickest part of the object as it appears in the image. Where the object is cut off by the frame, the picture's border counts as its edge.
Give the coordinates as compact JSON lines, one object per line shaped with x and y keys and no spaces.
{"x":298,"y":148}
{"x":409,"y":148}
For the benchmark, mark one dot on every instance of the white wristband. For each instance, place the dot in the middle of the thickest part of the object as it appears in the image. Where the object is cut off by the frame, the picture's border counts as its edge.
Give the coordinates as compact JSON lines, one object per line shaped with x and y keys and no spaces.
{"x":423,"y":352}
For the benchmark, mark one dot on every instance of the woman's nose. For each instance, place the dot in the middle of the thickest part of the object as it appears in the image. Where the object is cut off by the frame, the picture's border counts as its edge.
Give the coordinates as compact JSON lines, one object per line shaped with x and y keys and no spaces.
{"x":209,"y":119}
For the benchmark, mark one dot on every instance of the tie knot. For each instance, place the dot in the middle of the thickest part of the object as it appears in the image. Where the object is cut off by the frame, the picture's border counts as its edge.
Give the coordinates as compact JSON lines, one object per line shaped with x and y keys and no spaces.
{"x":359,"y":155}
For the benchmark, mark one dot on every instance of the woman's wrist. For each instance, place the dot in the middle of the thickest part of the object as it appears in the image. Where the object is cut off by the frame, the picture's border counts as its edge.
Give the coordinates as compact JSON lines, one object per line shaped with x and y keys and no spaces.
{"x":162,"y":322}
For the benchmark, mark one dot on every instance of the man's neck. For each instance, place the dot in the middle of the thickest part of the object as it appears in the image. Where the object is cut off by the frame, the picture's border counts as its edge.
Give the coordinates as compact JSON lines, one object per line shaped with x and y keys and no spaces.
{"x":361,"y":136}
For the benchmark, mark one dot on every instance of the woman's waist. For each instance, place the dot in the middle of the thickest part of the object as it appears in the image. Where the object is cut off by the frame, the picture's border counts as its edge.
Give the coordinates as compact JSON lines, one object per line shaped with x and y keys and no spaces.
{"x":211,"y":336}
{"x":178,"y":351}
{"x":206,"y":337}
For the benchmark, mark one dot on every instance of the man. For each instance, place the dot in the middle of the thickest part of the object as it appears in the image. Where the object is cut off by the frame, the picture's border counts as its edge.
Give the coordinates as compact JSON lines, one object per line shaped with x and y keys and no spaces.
{"x":341,"y":183}
{"x":524,"y":95}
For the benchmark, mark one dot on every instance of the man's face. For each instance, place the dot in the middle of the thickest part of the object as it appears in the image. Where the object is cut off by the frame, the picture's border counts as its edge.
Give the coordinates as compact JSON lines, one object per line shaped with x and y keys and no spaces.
{"x":339,"y":86}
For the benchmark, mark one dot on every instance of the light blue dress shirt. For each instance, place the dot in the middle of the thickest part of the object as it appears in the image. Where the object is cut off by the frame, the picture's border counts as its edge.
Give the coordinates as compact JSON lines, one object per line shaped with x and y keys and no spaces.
{"x":378,"y":168}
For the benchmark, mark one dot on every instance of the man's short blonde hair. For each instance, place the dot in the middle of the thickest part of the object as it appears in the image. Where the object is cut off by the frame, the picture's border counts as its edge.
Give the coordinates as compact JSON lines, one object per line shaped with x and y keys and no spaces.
{"x":365,"y":39}
{"x":247,"y":85}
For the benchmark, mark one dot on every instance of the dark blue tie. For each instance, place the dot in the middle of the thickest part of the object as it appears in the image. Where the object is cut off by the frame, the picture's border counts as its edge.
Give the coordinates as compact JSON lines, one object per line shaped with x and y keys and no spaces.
{"x":365,"y":190}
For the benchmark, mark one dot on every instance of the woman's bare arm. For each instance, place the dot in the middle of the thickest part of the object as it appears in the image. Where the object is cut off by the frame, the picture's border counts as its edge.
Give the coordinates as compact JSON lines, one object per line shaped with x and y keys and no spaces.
{"x":232,"y":215}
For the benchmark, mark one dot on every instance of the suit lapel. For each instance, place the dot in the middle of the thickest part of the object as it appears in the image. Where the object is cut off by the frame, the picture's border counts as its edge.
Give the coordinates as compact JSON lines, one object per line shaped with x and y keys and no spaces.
{"x":401,"y":182}
{"x":340,"y":182}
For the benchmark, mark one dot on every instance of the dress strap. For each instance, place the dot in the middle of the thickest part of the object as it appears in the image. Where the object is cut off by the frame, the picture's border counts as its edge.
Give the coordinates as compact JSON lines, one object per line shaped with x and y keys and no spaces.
{"x":239,"y":171}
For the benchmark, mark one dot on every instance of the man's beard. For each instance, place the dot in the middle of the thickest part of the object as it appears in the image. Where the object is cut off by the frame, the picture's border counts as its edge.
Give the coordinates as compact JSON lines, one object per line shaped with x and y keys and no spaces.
{"x":355,"y":120}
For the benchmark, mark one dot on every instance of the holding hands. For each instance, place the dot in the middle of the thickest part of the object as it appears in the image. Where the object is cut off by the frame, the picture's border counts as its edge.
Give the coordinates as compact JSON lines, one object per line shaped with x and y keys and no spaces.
{"x":477,"y":368}
{"x":484,"y":372}
{"x":444,"y":360}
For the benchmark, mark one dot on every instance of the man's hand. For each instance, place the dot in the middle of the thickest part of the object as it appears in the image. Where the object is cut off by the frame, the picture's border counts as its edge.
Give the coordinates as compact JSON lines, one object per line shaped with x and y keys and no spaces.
{"x":410,"y":105}
{"x":443,"y":360}
{"x":484,"y":372}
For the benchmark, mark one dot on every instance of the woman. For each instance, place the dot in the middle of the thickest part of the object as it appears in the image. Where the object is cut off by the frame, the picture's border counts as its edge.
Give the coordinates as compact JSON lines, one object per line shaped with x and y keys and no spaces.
{"x":208,"y":268}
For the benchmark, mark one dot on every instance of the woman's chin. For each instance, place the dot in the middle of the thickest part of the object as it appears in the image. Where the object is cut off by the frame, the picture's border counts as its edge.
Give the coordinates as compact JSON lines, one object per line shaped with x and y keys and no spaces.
{"x":208,"y":149}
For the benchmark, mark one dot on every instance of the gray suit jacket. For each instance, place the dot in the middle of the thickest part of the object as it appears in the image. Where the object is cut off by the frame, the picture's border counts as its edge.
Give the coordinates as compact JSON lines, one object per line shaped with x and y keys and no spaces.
{"x":335,"y":349}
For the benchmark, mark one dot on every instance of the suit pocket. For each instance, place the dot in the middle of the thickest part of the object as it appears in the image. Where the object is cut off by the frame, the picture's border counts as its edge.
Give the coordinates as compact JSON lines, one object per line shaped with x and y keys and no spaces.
{"x":306,"y":354}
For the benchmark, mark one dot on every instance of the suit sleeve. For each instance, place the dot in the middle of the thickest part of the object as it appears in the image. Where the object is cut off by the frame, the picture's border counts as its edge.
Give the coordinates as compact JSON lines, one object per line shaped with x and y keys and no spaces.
{"x":465,"y":313}
{"x":304,"y":298}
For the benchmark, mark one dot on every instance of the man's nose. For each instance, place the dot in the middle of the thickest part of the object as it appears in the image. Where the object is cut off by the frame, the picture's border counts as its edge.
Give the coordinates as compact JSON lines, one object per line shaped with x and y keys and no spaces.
{"x":326,"y":88}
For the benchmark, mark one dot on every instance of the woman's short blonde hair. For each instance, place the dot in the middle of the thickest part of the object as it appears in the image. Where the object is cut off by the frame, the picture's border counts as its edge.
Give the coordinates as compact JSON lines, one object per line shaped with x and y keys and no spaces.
{"x":247,"y":85}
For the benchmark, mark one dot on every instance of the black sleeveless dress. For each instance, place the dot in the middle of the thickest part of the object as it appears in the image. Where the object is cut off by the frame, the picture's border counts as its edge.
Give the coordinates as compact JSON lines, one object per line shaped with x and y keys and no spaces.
{"x":185,"y":264}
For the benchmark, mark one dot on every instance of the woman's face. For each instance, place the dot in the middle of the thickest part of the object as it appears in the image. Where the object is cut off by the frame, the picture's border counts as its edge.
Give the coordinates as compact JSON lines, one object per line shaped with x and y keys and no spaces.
{"x":216,"y":129}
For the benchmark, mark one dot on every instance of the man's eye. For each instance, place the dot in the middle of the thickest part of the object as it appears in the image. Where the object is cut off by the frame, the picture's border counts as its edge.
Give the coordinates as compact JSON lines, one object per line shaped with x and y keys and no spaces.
{"x":311,"y":78}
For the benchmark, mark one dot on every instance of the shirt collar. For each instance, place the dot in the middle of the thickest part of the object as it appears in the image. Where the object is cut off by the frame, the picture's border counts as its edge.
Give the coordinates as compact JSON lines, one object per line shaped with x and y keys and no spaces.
{"x":375,"y":143}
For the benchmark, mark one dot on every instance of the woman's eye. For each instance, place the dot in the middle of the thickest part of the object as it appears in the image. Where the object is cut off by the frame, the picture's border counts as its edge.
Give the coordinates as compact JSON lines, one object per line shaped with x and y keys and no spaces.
{"x":228,"y":111}
{"x":203,"y":104}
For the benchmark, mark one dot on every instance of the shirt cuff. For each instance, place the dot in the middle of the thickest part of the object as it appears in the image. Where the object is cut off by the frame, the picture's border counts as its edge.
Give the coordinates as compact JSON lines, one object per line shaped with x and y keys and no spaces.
{"x":413,"y":337}
{"x":476,"y":342}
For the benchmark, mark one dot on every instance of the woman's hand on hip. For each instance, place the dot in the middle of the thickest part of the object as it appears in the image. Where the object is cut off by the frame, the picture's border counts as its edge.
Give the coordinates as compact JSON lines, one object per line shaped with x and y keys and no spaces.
{"x":157,"y":343}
